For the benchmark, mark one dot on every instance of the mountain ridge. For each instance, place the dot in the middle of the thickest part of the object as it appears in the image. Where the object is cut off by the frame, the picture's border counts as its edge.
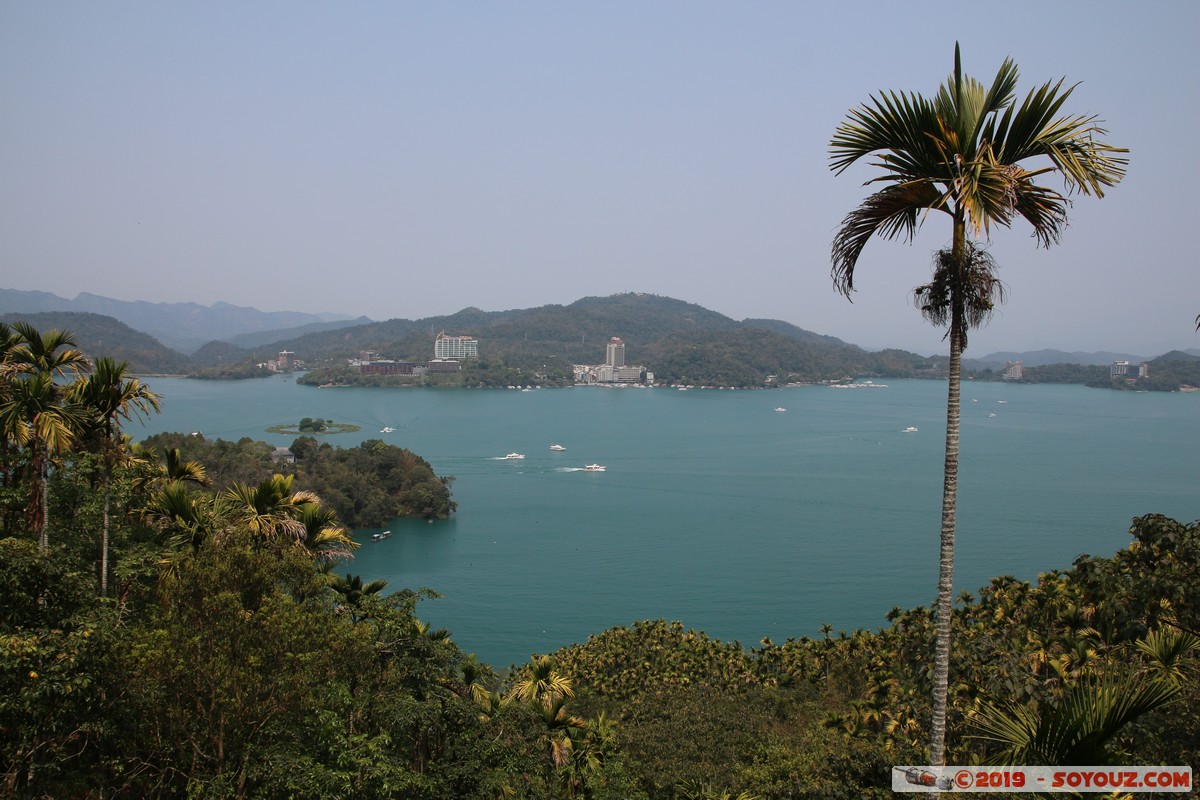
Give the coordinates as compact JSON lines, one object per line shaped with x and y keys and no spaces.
{"x":593,"y":317}
{"x":184,"y":327}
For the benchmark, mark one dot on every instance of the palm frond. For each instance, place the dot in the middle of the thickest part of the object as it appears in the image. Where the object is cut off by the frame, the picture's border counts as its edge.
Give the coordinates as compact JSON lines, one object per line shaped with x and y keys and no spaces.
{"x":1071,"y":143}
{"x":893,"y":125}
{"x":1079,"y":729}
{"x":894,"y":211}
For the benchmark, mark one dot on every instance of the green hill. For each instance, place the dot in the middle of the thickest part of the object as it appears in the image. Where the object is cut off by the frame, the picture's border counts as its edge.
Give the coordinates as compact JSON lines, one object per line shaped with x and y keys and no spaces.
{"x":676,"y":340}
{"x":99,"y":335}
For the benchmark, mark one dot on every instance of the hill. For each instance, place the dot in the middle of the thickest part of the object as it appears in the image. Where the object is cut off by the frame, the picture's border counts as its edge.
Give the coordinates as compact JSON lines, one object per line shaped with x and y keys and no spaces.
{"x":676,"y":340}
{"x":181,"y":326}
{"x":99,"y":335}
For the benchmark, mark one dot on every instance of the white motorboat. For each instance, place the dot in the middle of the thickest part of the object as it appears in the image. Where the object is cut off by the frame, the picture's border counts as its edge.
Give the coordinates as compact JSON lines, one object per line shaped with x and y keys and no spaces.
{"x":558,"y":448}
{"x":910,"y":429}
{"x":594,"y":468}
{"x":513,"y":456}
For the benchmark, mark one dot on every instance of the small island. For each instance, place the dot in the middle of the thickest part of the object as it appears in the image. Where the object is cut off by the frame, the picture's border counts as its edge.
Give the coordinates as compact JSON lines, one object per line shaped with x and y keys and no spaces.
{"x":313,"y":426}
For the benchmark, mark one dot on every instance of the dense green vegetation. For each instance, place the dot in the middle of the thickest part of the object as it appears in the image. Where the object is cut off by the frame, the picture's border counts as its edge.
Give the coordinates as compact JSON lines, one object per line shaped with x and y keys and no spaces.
{"x":367,"y":486}
{"x":220,"y":651}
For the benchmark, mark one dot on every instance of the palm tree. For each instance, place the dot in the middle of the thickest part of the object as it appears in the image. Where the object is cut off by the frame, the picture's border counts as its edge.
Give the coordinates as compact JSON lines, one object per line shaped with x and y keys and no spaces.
{"x":182,"y":517}
{"x":271,"y":509}
{"x":324,"y":536}
{"x":179,"y":470}
{"x":109,"y":395}
{"x":964,"y":153}
{"x":353,"y":591}
{"x":35,"y":410}
{"x":561,"y":730}
{"x":1078,"y":730}
{"x":541,"y":683}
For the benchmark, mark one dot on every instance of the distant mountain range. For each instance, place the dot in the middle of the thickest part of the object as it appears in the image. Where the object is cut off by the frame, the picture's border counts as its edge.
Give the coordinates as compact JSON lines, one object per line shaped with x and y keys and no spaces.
{"x":182,"y":326}
{"x":671,"y":336}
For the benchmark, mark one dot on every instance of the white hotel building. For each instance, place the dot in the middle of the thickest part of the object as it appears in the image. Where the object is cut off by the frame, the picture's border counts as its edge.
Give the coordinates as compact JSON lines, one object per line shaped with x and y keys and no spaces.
{"x":455,"y":348}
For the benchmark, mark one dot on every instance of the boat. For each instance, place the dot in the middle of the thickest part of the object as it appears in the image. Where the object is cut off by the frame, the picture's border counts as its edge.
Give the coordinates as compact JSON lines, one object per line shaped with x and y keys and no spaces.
{"x":557,"y":448}
{"x":513,"y":457}
{"x":910,"y":429}
{"x":387,"y":430}
{"x":594,"y":468}
{"x":375,"y":537}
{"x":781,"y":408}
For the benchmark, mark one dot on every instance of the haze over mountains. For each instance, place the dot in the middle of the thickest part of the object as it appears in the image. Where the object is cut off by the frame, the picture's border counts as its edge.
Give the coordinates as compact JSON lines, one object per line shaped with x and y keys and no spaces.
{"x":183,"y":326}
{"x":186,"y":334}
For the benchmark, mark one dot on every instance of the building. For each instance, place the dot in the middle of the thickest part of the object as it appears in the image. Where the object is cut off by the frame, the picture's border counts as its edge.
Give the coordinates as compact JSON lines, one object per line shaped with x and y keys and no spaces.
{"x":284,"y":362}
{"x":1123,"y":369}
{"x":613,"y":370}
{"x":454,"y":348}
{"x":415,"y":369}
{"x":614,"y":355}
{"x":1013,"y":371}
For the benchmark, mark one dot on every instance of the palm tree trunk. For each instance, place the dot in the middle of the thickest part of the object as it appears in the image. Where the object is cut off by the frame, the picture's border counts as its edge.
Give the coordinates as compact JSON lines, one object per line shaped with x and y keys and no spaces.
{"x":104,"y":535}
{"x":40,"y":495}
{"x":945,"y":592}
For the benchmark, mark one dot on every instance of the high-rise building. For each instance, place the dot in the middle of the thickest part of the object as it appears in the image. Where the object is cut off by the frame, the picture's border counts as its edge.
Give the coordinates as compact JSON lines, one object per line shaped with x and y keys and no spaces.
{"x":615,"y":354}
{"x":455,"y":347}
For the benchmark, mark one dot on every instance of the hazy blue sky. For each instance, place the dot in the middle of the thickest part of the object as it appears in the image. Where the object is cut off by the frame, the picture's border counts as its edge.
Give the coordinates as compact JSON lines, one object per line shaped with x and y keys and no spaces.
{"x":404,"y":159}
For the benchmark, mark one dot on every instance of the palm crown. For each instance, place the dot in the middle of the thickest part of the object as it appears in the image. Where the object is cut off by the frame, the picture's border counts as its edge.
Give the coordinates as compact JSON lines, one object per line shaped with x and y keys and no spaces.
{"x":963,"y":152}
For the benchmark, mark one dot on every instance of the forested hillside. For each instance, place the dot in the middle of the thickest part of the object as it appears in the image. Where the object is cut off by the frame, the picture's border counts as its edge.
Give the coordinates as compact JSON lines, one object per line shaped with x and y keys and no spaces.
{"x":677,"y":341}
{"x":105,"y":336}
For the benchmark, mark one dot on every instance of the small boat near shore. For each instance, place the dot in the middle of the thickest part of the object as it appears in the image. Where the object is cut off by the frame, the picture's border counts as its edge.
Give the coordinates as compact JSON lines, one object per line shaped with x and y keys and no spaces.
{"x":375,"y":537}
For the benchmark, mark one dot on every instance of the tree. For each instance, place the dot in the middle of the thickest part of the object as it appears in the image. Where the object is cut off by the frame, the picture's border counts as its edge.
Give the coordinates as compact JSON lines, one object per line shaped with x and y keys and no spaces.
{"x":271,"y":509}
{"x":353,"y":591}
{"x":324,"y":536}
{"x":1079,"y":730}
{"x":108,"y":394}
{"x":963,"y":153}
{"x":36,"y":411}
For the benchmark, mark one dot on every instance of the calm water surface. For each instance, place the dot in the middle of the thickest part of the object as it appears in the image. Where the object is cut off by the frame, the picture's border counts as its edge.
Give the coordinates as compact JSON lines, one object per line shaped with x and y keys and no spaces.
{"x":721,"y":512}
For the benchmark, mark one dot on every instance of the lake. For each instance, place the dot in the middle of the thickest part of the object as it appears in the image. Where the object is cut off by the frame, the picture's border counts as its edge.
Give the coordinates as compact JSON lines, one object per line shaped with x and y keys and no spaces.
{"x":716,"y":509}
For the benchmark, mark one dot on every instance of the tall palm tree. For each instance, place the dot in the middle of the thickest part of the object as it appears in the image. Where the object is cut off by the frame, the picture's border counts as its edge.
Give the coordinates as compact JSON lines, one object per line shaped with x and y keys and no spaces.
{"x":36,"y":408}
{"x":109,"y":395}
{"x":965,"y":152}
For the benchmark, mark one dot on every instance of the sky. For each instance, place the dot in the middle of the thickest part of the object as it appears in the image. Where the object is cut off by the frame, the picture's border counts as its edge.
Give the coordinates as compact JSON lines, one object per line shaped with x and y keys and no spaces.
{"x":411,"y":159}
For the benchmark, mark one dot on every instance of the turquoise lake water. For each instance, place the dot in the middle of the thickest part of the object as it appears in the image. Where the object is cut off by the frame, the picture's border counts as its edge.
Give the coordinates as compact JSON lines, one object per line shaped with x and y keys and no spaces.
{"x":717,"y":510}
